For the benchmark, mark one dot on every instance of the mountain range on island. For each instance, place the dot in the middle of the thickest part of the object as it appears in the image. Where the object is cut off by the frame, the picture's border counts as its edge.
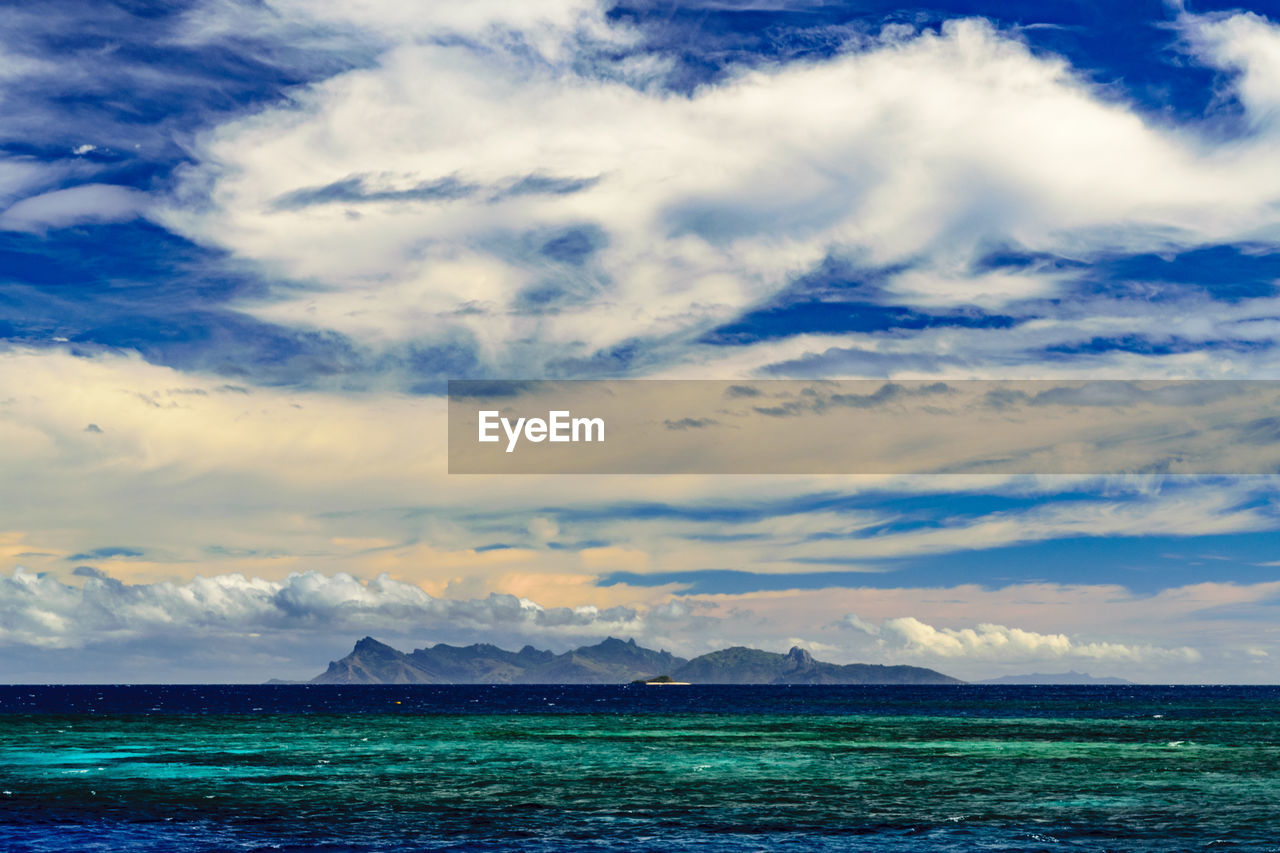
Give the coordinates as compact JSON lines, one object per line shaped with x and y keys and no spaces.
{"x":611,"y":661}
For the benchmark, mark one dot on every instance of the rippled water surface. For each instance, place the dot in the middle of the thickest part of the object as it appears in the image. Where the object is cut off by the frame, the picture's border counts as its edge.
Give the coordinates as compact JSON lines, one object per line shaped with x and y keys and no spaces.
{"x":639,"y":768}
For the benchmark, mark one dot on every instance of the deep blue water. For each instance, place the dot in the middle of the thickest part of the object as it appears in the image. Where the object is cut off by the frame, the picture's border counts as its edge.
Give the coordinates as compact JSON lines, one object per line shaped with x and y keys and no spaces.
{"x":1074,"y":701}
{"x":549,"y":768}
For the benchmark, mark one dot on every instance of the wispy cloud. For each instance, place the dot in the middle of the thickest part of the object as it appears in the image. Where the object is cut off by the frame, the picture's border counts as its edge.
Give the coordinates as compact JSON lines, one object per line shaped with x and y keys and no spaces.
{"x":85,"y":203}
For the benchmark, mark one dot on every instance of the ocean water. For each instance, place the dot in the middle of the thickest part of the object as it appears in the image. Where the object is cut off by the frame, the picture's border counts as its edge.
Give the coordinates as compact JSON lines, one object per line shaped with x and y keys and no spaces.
{"x":638,"y":768}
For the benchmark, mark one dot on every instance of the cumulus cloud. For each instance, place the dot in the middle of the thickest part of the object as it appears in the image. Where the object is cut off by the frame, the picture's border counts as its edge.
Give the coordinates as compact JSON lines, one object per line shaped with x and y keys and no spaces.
{"x":920,"y":149}
{"x":40,"y":610}
{"x":992,"y":642}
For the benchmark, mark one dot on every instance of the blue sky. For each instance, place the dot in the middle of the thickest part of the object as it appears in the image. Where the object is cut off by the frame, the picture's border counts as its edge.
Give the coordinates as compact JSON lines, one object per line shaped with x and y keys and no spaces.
{"x":243,"y":245}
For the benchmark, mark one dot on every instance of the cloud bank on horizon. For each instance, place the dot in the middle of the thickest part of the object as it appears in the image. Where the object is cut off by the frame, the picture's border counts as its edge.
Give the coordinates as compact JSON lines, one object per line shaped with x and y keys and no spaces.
{"x":243,"y":243}
{"x":277,"y":620}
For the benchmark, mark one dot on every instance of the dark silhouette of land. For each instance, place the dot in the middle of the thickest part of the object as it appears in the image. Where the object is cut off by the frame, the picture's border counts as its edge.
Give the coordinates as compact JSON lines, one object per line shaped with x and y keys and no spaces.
{"x":611,"y":661}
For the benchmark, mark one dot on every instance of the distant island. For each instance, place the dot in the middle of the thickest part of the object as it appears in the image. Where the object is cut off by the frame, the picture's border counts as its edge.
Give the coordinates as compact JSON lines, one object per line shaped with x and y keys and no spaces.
{"x":661,"y":679}
{"x":1072,"y":677}
{"x":611,"y":661}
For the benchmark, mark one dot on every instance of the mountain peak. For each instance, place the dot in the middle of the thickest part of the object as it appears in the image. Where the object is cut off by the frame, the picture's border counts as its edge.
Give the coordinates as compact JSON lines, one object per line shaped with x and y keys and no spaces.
{"x":613,"y":643}
{"x":800,"y":658}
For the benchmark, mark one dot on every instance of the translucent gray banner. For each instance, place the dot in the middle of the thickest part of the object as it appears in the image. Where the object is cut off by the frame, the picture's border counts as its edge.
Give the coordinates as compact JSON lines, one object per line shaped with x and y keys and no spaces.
{"x":864,"y":427}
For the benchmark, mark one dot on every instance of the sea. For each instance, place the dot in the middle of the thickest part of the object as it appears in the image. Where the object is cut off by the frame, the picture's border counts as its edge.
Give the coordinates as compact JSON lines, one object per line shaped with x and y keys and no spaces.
{"x":639,"y":768}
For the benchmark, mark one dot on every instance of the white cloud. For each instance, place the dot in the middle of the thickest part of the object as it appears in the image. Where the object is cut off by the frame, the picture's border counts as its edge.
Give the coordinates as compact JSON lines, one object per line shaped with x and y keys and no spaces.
{"x":1248,"y":45}
{"x":39,"y":610}
{"x":19,"y":177}
{"x":86,"y":203}
{"x":390,"y":187}
{"x":992,"y":642}
{"x":544,"y":26}
{"x":14,"y":65}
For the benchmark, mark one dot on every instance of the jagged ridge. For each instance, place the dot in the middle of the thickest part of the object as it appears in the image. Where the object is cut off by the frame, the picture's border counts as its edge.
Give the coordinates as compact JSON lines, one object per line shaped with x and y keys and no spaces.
{"x":742,"y":665}
{"x":611,"y":661}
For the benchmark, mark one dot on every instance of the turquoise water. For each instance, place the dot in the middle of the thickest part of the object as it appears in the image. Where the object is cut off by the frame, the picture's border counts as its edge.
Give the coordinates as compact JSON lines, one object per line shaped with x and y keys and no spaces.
{"x":1154,"y":776}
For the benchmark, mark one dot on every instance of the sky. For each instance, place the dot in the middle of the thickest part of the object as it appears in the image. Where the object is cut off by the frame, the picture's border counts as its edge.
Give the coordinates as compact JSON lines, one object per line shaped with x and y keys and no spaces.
{"x":245,"y":243}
